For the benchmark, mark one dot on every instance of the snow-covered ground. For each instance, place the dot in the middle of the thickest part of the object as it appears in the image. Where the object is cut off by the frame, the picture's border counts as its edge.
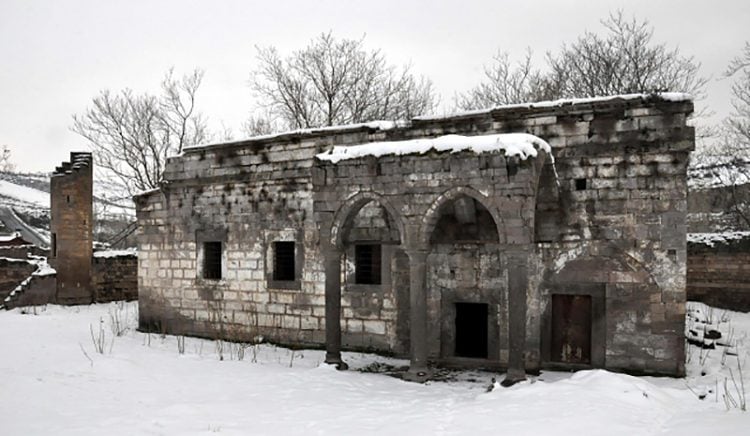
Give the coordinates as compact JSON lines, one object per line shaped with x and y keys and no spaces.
{"x":52,"y":381}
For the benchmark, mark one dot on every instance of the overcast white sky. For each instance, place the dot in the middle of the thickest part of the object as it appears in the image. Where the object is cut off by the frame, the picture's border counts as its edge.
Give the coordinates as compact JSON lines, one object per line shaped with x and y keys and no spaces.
{"x":56,"y":55}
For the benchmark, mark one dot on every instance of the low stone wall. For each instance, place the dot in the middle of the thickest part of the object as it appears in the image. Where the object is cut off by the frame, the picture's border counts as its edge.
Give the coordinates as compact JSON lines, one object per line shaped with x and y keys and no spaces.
{"x":12,"y":273}
{"x":115,"y":278}
{"x":718,"y":273}
{"x":36,"y":291}
{"x":22,"y":251}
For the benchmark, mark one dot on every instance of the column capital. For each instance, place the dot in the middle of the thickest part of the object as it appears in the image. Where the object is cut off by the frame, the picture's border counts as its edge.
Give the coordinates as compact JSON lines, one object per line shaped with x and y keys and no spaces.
{"x":417,"y":254}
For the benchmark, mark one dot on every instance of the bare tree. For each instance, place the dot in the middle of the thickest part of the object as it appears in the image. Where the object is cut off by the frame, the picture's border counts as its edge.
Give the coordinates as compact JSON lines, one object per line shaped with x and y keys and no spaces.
{"x":258,"y":125}
{"x":624,"y":60}
{"x":506,"y":83}
{"x":737,"y":126}
{"x":131,"y":134}
{"x":336,"y":81}
{"x":730,"y":157}
{"x":6,"y":165}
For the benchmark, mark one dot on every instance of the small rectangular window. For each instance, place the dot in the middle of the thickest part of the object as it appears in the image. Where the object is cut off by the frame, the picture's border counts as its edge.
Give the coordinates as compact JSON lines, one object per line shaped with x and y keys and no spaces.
{"x":580,"y":184}
{"x":367,"y":264}
{"x":283,"y":261}
{"x":54,"y":245}
{"x":212,"y":260}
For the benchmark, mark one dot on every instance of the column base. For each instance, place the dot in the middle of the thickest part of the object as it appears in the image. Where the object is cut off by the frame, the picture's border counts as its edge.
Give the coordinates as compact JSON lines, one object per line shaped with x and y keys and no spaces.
{"x":335,"y":359}
{"x":418,"y":375}
{"x":512,"y":377}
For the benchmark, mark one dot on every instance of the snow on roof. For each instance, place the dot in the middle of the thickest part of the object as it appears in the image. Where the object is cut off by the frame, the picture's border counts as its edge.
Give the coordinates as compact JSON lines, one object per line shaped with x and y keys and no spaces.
{"x":43,"y":270}
{"x":667,"y":96}
{"x":146,"y":192}
{"x":379,"y":125}
{"x":522,"y":145}
{"x":716,"y":238}
{"x":115,"y":253}
{"x":15,"y":260}
{"x":389,"y":125}
{"x":11,"y":237}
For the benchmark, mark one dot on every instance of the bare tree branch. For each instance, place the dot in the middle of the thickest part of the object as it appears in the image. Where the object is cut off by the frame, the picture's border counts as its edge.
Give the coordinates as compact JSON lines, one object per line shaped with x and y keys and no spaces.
{"x":334,"y":81}
{"x":132,"y":135}
{"x":621,"y":61}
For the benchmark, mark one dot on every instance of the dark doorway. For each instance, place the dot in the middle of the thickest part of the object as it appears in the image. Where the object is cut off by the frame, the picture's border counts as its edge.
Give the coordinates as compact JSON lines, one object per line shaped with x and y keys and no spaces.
{"x":571,"y":329}
{"x":471,"y":330}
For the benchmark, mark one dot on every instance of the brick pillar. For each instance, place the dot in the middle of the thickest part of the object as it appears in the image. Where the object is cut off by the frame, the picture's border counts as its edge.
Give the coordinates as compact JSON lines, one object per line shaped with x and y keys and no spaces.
{"x":418,"y":315}
{"x":517,"y":287}
{"x":333,"y":308}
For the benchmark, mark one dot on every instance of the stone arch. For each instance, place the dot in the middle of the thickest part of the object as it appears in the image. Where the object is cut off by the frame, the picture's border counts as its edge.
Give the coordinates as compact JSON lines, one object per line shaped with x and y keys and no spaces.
{"x":603,"y":260}
{"x":351,"y":207}
{"x":432,"y":215}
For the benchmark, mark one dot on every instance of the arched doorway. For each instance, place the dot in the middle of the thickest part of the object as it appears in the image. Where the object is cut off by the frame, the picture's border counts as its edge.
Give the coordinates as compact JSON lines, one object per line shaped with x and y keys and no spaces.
{"x":466,"y":290}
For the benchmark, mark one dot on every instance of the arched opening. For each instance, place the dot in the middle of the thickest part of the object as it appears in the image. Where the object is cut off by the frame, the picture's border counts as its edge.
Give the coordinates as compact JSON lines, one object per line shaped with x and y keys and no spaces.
{"x":465,"y":278}
{"x":371,"y":222}
{"x":368,"y":235}
{"x":549,"y":214}
{"x":463,"y":220}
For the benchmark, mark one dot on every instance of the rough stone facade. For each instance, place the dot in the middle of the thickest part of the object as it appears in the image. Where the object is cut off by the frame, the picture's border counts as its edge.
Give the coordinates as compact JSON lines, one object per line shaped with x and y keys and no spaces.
{"x":115,"y":278}
{"x":575,"y":264}
{"x":71,"y":191}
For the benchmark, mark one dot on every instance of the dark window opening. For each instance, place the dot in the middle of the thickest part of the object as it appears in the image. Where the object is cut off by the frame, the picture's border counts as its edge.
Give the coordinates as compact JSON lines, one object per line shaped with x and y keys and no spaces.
{"x":67,"y":198}
{"x":212,"y":260}
{"x":471,"y":330}
{"x":571,"y":329}
{"x":367,"y":264}
{"x":283,"y":261}
{"x":54,"y":244}
{"x":580,"y":184}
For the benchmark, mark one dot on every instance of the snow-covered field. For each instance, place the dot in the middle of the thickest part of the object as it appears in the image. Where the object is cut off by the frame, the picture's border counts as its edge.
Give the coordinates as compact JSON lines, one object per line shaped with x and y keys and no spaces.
{"x":53,"y":382}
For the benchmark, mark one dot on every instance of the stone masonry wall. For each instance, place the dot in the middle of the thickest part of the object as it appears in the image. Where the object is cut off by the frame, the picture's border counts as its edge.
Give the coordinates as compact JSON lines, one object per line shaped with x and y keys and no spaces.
{"x":246,"y":198}
{"x":115,"y":278}
{"x":12,"y":273}
{"x":615,"y":198}
{"x":720,"y":275}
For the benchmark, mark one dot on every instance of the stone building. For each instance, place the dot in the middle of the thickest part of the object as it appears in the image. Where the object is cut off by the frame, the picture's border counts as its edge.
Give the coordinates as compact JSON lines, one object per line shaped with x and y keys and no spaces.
{"x":451,"y":240}
{"x":71,"y":216}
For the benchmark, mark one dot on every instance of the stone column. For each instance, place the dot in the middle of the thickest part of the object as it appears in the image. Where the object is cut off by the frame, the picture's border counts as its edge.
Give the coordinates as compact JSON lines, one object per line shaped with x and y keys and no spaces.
{"x":418,"y":315}
{"x":333,"y":308}
{"x":517,"y":287}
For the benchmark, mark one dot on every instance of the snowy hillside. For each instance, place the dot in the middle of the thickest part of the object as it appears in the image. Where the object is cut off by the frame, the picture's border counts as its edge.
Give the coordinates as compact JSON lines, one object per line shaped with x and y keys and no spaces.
{"x":55,"y":382}
{"x":30,"y":192}
{"x":27,"y":196}
{"x":717,"y":174}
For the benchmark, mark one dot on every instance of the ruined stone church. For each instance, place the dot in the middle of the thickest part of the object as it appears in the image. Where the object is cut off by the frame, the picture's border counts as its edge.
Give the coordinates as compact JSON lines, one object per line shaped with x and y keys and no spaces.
{"x":524,"y":237}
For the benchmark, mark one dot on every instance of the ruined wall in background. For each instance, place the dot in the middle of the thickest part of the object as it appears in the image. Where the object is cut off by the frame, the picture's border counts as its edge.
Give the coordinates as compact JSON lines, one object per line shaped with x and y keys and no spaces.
{"x":115,"y":278}
{"x":12,"y":273}
{"x":719,"y":273}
